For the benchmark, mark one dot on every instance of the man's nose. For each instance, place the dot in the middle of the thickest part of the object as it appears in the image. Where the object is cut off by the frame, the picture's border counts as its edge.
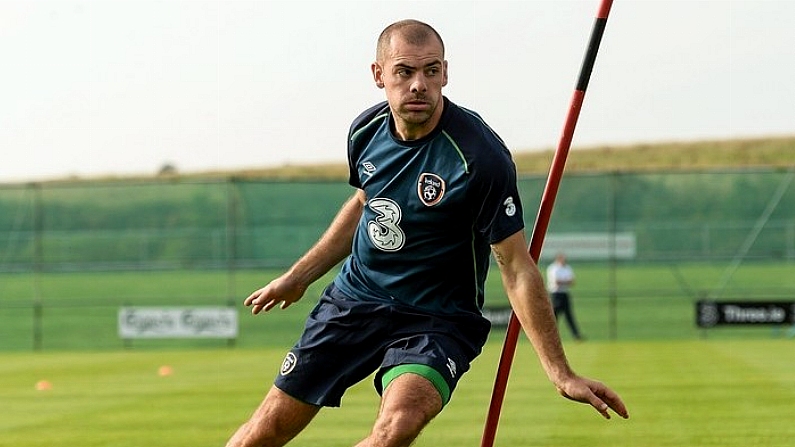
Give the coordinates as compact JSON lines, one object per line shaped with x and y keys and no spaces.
{"x":419,"y":85}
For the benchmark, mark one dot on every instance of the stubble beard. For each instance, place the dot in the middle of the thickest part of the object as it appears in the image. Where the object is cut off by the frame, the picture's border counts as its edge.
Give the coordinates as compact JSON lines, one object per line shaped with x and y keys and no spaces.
{"x":416,"y":119}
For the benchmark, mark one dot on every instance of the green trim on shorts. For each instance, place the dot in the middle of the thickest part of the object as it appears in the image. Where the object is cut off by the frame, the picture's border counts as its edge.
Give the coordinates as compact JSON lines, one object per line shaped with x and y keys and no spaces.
{"x":421,"y":370}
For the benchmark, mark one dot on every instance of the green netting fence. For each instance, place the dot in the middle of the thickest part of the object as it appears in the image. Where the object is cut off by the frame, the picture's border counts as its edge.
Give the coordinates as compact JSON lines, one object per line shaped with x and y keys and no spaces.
{"x":721,"y":222}
{"x":250,"y":223}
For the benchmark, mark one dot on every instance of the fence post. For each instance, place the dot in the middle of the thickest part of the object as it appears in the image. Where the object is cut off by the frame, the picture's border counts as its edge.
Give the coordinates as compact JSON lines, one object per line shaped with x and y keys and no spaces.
{"x":38,"y":254}
{"x":612,"y":229}
{"x":231,"y":244}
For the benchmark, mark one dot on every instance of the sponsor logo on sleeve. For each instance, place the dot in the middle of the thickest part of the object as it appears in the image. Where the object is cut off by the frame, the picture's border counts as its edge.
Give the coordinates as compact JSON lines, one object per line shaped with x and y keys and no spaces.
{"x":510,"y":207}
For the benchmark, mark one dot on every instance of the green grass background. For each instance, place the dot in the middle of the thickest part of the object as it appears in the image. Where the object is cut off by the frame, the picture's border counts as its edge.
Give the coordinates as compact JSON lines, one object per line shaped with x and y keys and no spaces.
{"x":684,"y":387}
{"x":633,"y":302}
{"x":723,"y":393}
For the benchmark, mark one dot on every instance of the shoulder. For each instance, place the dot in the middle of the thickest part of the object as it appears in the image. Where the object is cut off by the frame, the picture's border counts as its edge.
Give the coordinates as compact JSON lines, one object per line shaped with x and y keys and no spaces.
{"x":369,"y":119}
{"x":477,"y":141}
{"x":467,"y":125}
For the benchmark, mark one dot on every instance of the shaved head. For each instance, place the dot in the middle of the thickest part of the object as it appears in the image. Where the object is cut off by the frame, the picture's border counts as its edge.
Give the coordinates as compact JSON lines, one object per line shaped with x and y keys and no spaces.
{"x":412,"y":31}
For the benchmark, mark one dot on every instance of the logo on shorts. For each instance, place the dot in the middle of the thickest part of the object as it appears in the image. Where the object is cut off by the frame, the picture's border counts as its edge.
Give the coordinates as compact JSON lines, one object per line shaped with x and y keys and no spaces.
{"x":451,"y":366}
{"x":430,"y":188}
{"x":288,"y":364}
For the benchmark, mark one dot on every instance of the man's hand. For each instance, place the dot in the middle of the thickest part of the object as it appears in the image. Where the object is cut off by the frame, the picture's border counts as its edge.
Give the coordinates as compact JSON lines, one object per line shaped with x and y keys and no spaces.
{"x":597,"y":394}
{"x":282,"y":290}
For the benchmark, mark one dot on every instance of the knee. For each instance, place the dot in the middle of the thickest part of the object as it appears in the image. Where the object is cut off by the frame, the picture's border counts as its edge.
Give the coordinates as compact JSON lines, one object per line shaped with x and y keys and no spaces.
{"x":277,"y":420}
{"x":399,"y":428}
{"x":256,"y":434}
{"x":262,"y":433}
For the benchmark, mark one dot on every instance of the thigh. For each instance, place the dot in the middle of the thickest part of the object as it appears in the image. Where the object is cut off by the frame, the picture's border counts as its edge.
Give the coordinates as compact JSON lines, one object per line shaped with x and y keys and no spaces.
{"x":446,"y":357}
{"x":341,"y":345}
{"x":411,"y":391}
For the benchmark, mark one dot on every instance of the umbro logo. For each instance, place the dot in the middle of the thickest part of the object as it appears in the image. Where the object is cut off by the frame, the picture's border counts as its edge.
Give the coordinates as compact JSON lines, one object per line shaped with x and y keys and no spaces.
{"x":451,"y":367}
{"x":369,"y":168}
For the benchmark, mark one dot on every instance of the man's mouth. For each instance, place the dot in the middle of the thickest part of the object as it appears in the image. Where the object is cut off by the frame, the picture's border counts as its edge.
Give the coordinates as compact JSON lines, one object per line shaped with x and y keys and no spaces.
{"x":417,"y":105}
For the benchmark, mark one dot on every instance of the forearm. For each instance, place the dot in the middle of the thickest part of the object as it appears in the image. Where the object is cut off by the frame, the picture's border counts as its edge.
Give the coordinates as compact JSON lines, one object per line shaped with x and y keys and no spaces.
{"x":531,"y":305}
{"x":525,"y":289}
{"x":333,"y":246}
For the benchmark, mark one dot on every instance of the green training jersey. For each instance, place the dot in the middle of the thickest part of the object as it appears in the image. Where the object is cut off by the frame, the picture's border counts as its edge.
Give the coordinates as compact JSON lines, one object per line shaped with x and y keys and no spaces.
{"x":433,"y":208}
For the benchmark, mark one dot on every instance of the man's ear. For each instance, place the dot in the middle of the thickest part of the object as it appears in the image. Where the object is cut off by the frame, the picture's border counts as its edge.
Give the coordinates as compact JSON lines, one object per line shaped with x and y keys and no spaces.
{"x":444,"y":68}
{"x":378,"y":74}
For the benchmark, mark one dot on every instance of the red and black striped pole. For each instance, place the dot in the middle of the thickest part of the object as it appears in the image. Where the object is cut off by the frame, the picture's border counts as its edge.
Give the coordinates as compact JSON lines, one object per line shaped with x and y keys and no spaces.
{"x":544,"y":214}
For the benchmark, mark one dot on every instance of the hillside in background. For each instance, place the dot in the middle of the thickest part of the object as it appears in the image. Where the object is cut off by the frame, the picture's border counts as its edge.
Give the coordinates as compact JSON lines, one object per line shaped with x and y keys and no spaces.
{"x":767,"y":152}
{"x":772,"y":152}
{"x":677,"y":156}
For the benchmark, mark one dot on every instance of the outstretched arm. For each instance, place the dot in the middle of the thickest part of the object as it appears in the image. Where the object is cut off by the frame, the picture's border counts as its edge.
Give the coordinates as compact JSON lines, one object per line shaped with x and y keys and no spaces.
{"x":525,"y":288}
{"x":332,"y":247}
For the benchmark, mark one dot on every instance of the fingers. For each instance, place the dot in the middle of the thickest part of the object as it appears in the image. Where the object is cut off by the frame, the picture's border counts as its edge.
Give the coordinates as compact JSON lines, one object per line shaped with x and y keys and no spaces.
{"x":282,"y":291}
{"x":612,"y":400}
{"x":598,"y":396}
{"x":601,"y":407}
{"x":260,"y":301}
{"x":250,"y":299}
{"x":605,"y":399}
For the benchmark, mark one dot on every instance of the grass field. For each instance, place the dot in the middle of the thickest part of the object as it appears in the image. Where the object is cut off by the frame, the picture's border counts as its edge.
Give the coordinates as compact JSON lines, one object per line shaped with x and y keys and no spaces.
{"x":684,"y":387}
{"x":727,"y":393}
{"x":642,"y":302}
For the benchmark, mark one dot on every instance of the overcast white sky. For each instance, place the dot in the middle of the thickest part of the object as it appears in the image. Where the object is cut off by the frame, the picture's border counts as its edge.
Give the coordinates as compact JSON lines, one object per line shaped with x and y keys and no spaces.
{"x":92,"y":88}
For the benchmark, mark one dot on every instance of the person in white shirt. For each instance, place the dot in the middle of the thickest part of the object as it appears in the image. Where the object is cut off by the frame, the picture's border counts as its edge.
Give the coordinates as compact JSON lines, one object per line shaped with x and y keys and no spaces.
{"x":560,"y":278}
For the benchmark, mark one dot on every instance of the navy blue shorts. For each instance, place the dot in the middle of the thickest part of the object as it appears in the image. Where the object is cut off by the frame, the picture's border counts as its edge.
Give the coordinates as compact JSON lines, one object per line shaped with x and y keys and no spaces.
{"x":344,"y":341}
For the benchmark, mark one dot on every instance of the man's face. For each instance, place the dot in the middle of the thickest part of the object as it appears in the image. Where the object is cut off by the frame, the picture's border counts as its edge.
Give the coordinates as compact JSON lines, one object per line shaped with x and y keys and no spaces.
{"x":413,"y":77}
